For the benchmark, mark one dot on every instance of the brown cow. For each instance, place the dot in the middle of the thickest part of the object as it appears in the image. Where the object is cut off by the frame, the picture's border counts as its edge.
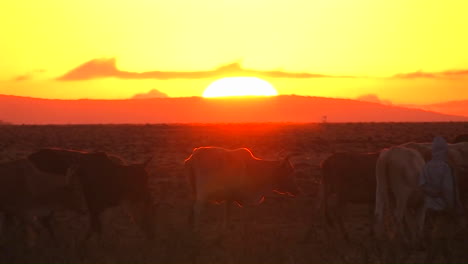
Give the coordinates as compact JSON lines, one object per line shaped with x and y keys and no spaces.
{"x":461,"y":138}
{"x":347,"y":177}
{"x":106,"y":181}
{"x":28,"y":194}
{"x":218,"y":174}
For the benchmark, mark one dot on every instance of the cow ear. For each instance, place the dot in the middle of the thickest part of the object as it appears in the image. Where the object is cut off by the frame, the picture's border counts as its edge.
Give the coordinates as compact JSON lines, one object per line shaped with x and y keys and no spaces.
{"x":145,"y":164}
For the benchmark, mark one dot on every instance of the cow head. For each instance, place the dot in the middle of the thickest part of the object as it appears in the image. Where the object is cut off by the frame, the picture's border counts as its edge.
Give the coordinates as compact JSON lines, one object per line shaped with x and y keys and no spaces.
{"x":50,"y":160}
{"x":139,"y":203}
{"x":285,"y":182}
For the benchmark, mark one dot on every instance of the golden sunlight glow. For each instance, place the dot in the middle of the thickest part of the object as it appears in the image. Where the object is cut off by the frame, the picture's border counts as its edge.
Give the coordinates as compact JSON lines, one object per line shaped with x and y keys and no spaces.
{"x":180,"y":47}
{"x":239,"y":86}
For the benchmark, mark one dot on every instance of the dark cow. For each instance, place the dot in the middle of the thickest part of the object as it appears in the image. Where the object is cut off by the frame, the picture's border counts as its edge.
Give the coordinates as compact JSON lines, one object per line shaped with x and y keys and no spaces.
{"x":347,"y":177}
{"x":27,"y":194}
{"x":461,"y":138}
{"x":218,"y":174}
{"x":106,"y":181}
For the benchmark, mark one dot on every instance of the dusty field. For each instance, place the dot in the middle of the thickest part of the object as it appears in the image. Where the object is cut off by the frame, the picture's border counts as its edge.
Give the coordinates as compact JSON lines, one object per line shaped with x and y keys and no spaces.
{"x":277,"y":227}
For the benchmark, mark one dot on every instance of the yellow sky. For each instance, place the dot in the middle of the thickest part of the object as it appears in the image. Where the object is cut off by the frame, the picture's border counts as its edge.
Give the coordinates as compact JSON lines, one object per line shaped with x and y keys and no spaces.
{"x":44,"y":39}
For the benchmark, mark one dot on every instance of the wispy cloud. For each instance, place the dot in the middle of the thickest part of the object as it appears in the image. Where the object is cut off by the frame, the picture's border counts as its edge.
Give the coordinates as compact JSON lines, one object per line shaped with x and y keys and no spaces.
{"x":432,"y":75}
{"x":153,"y":93}
{"x":104,"y":68}
{"x":28,"y":76}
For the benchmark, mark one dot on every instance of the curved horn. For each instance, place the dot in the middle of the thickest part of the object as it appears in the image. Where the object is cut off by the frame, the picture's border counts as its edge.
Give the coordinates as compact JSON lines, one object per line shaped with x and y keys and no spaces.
{"x":292,"y":154}
{"x":146,"y":162}
{"x":286,"y":159}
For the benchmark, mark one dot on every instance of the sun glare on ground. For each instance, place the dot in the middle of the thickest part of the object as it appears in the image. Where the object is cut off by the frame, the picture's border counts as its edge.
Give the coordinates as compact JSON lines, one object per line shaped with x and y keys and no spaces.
{"x":239,"y":86}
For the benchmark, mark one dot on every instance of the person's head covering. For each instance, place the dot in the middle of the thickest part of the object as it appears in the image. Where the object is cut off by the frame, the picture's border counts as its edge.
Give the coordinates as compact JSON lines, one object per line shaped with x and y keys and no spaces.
{"x":439,"y":148}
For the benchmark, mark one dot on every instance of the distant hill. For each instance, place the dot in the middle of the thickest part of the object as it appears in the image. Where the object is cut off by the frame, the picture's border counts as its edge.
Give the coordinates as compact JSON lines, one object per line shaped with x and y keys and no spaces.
{"x":451,"y":108}
{"x":25,"y":110}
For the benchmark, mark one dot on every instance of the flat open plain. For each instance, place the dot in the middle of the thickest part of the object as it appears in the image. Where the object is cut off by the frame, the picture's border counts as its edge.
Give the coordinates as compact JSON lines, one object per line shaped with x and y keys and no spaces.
{"x":280,"y":223}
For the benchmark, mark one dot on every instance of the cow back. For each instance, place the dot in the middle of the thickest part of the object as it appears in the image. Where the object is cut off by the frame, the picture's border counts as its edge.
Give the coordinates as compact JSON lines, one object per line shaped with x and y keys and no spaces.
{"x":106,"y":181}
{"x":350,"y":175}
{"x":54,"y":160}
{"x":24,"y":188}
{"x":461,"y":138}
{"x":221,"y":174}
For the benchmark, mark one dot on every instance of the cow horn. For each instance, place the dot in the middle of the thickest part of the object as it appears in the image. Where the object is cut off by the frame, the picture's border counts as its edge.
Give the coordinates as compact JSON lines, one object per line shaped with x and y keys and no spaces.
{"x":146,"y":162}
{"x":292,"y":154}
{"x":287,"y":158}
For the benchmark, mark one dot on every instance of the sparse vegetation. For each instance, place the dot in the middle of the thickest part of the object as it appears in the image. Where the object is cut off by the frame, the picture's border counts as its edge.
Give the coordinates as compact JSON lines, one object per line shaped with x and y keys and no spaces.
{"x":273,"y":236}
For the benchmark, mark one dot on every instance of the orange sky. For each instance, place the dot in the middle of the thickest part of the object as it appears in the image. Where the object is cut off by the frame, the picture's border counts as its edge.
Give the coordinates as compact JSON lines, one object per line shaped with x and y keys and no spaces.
{"x":404,"y":51}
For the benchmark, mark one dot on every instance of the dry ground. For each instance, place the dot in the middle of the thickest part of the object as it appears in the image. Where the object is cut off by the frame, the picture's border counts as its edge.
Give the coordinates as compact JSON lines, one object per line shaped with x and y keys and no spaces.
{"x":273,"y":233}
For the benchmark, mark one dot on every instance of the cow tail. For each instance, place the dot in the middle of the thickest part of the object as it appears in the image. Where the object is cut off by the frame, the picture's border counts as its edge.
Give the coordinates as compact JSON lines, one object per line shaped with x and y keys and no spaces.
{"x":381,"y":193}
{"x":190,"y":175}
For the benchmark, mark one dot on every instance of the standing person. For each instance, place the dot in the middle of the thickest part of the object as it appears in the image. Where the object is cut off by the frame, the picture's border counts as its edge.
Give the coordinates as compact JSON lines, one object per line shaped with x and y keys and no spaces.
{"x":441,"y":199}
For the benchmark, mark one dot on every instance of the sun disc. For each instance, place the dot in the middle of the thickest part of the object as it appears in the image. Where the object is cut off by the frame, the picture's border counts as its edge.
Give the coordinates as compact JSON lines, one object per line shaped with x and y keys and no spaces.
{"x":239,"y":86}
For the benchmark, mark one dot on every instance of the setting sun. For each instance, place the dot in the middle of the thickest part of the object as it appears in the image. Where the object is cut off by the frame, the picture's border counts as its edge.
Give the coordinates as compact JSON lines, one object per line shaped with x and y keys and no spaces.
{"x":239,"y":86}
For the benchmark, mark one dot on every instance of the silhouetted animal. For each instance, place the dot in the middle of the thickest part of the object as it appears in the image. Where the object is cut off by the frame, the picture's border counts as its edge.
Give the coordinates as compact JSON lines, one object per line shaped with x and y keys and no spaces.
{"x":347,"y":177}
{"x":218,"y":174}
{"x":461,"y":138}
{"x":27,"y":194}
{"x":399,"y":200}
{"x":106,"y":181}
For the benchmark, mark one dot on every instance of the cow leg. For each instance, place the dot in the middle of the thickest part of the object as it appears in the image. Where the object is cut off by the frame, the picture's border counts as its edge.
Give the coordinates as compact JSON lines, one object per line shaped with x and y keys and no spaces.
{"x":414,"y":220}
{"x":335,"y":208}
{"x":195,"y":215}
{"x":31,"y":228}
{"x":401,"y":241}
{"x":9,"y":226}
{"x":319,"y":211}
{"x":96,"y":225}
{"x":94,"y":228}
{"x":46,"y":221}
{"x":227,"y":215}
{"x":371,"y":219}
{"x":421,"y":219}
{"x":433,"y":249}
{"x":442,"y":233}
{"x":4,"y":226}
{"x":250,"y":220}
{"x":438,"y":247}
{"x":400,"y":217}
{"x":195,"y":226}
{"x":226,"y":223}
{"x":30,"y":235}
{"x":341,"y":210}
{"x":141,"y":214}
{"x":310,"y":232}
{"x":446,"y":252}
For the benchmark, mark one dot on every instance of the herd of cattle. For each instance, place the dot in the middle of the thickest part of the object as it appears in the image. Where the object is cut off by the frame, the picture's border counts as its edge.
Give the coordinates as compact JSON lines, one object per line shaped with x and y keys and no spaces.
{"x":33,"y":189}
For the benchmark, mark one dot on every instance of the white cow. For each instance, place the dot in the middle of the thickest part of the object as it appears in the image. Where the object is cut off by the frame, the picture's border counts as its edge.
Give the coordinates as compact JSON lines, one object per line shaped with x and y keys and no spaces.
{"x":397,"y":177}
{"x":218,"y":174}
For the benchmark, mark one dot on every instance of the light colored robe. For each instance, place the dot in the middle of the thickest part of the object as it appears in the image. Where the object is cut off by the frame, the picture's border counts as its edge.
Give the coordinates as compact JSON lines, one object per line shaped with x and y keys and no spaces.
{"x":437,"y":180}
